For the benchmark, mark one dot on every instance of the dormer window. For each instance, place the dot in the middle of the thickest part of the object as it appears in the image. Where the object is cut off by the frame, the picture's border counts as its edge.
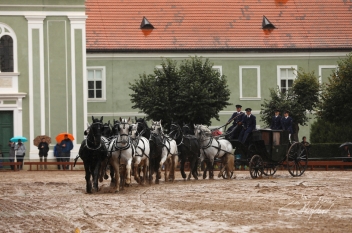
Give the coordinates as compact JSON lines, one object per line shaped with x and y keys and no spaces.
{"x":266,"y":24}
{"x":146,"y":24}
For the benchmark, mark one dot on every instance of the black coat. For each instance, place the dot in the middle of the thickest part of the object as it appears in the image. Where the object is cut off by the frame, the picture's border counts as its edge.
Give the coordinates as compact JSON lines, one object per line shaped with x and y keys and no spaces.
{"x":249,"y":123}
{"x":43,"y":149}
{"x":287,"y":124}
{"x":237,"y":116}
{"x":276,"y":123}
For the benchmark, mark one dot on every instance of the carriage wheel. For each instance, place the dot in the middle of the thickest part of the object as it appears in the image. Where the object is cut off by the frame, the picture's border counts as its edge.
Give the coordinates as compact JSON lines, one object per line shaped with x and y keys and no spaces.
{"x":297,"y":159}
{"x":256,"y":166}
{"x":269,"y":169}
{"x":224,"y":174}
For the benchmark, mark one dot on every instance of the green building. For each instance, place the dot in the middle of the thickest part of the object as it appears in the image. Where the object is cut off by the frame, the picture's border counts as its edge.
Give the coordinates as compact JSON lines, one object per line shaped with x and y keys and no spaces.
{"x":65,"y":61}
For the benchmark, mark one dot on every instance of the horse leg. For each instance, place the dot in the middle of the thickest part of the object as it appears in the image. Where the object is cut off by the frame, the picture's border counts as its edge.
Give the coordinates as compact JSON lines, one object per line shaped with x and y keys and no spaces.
{"x":87,"y":177}
{"x":102,"y":170}
{"x":112,"y":175}
{"x":136,"y":169}
{"x":122,"y":176}
{"x":145,"y":171}
{"x":174,"y":165}
{"x":128,"y":171}
{"x":223,"y":165}
{"x":136,"y":173}
{"x":182,"y":168}
{"x":95,"y":177}
{"x":151,"y":170}
{"x":193,"y":168}
{"x":211,"y":170}
{"x":115,"y":168}
{"x":206,"y":169}
{"x":167,"y":169}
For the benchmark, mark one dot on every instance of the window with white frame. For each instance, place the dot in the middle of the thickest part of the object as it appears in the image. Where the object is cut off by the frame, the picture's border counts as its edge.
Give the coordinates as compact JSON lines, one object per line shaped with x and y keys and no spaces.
{"x":285,"y":77}
{"x":96,"y":83}
{"x":325,"y":71}
{"x":218,"y":68}
{"x":249,"y":83}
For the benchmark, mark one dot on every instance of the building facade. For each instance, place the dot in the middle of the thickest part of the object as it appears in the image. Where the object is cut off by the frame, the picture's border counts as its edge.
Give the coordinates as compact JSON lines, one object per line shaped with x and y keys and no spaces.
{"x":65,"y":61}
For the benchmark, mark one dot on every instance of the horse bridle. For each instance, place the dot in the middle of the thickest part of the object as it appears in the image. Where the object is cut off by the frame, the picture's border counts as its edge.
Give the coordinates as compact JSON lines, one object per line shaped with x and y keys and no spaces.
{"x":94,"y":137}
{"x":129,"y":139}
{"x":178,"y":133}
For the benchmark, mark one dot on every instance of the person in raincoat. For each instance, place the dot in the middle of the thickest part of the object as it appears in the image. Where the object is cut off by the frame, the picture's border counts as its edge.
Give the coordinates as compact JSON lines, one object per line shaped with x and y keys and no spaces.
{"x":43,"y":148}
{"x":12,"y":154}
{"x":20,"y":153}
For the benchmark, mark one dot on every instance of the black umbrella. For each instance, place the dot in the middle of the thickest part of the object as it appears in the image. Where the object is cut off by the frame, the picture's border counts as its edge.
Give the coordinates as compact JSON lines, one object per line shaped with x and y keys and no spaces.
{"x":349,"y":144}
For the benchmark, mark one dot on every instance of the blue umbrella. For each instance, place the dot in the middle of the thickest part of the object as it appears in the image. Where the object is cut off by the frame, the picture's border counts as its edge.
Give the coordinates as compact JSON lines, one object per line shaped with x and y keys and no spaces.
{"x":16,"y":138}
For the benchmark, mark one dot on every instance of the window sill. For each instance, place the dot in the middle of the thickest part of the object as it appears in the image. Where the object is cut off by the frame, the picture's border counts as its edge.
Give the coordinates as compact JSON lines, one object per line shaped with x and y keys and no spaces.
{"x":96,"y":100}
{"x":250,"y":98}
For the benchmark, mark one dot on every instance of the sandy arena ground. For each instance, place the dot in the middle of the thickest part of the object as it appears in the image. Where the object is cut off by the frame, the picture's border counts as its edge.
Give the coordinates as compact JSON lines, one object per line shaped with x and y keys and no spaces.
{"x":55,"y":201}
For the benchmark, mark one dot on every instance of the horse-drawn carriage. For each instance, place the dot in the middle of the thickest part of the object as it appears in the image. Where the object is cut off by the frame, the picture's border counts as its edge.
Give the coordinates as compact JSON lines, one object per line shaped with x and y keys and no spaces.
{"x":268,"y":149}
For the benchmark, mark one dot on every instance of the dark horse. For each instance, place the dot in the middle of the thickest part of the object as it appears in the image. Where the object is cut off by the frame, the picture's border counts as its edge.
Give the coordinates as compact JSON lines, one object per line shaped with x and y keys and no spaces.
{"x":188,"y":148}
{"x":188,"y":129}
{"x":93,"y":152}
{"x":156,"y":146}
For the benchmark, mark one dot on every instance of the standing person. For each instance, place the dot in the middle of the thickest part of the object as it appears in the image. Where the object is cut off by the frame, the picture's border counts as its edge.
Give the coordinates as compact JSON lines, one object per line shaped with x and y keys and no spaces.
{"x":249,"y":123}
{"x":287,"y":123}
{"x":20,"y":153}
{"x":66,"y":147}
{"x":57,"y":154}
{"x":12,"y":154}
{"x":237,"y":122}
{"x":346,"y":153}
{"x":305,"y":142}
{"x":43,"y":152}
{"x":276,"y":121}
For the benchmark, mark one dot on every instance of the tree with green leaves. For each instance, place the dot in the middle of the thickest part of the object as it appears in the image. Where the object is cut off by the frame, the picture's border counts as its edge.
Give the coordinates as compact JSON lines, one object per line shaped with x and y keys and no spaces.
{"x":194,"y":92}
{"x":337,"y":94}
{"x":335,"y":114}
{"x":302,"y":98}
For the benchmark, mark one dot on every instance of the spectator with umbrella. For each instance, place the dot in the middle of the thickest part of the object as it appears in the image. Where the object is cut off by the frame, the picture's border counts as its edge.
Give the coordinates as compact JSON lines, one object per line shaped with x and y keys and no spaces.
{"x":43,"y":148}
{"x":346,"y":152}
{"x":20,"y":153}
{"x":57,"y":154}
{"x":66,"y":146}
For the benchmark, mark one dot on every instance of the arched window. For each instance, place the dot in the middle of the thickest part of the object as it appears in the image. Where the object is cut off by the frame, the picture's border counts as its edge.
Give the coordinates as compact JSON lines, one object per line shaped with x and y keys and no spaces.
{"x":6,"y":54}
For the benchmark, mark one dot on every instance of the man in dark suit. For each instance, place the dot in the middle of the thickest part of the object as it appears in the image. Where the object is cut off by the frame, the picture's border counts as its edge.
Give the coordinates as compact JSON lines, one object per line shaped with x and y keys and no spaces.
{"x":287,"y":123}
{"x":276,"y":121}
{"x":249,"y":123}
{"x":236,"y":124}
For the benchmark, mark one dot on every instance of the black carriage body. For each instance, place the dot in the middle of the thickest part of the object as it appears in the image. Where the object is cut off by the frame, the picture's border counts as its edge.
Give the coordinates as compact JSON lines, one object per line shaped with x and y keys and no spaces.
{"x":271,"y":145}
{"x":269,"y":148}
{"x":276,"y":144}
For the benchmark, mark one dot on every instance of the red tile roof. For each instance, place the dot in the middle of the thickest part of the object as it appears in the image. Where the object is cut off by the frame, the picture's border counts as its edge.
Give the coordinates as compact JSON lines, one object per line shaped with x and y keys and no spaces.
{"x":219,"y":25}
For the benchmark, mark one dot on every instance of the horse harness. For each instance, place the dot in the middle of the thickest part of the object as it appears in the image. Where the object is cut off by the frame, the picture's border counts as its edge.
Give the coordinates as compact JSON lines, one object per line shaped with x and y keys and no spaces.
{"x":135,"y":142}
{"x":179,"y":133}
{"x":210,"y":145}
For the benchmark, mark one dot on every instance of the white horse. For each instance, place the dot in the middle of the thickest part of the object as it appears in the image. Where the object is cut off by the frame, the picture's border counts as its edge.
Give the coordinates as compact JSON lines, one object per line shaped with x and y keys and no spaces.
{"x":141,"y":158}
{"x":122,"y":152}
{"x":169,"y":154}
{"x":212,"y":148}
